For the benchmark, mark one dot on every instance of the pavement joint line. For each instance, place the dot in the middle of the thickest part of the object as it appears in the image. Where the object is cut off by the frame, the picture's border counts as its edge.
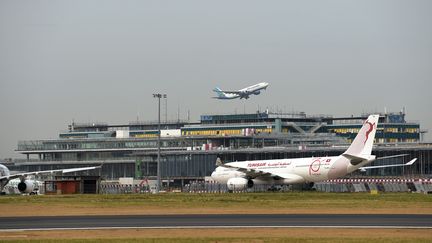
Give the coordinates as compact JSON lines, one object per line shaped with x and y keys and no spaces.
{"x":219,"y":227}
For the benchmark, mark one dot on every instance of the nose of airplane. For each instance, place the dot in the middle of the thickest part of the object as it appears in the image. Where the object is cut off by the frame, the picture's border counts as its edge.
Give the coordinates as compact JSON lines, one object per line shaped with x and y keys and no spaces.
{"x":214,"y":175}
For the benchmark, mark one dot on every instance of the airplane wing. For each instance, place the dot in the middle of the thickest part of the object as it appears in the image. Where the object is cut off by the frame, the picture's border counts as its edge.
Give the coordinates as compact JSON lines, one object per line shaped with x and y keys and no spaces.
{"x":254,"y":173}
{"x":251,"y":173}
{"x":385,"y":166}
{"x":392,"y":156}
{"x":232,"y":92}
{"x":25,"y":174}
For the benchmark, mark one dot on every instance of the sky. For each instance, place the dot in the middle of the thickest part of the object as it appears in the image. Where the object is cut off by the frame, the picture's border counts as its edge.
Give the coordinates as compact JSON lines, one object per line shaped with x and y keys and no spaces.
{"x":101,"y":60}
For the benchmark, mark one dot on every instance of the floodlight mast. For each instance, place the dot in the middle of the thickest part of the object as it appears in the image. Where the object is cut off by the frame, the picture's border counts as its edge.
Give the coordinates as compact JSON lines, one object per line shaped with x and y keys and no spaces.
{"x":158,"y":184}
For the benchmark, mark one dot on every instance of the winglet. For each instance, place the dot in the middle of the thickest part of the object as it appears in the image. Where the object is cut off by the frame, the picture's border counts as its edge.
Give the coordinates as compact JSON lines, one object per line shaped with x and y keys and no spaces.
{"x":386,"y":166}
{"x":411,"y":161}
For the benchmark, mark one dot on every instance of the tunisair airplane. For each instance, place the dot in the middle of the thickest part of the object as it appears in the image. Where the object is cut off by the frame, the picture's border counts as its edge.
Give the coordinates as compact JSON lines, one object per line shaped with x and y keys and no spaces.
{"x":242,"y":175}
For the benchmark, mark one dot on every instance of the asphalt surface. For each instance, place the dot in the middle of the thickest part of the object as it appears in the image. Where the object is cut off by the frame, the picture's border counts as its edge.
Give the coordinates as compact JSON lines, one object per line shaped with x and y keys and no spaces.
{"x":221,"y":220}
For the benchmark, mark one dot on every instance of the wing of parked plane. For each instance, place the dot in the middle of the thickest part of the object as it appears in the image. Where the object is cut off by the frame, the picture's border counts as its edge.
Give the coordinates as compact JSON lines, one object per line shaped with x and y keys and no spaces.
{"x":26,"y":185}
{"x":25,"y":174}
{"x":263,"y":174}
{"x":385,"y":166}
{"x":252,"y":173}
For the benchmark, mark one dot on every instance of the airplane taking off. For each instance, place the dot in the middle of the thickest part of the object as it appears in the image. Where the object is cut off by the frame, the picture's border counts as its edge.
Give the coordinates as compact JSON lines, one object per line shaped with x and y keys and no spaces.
{"x":242,"y":93}
{"x":27,"y":186}
{"x":242,"y":175}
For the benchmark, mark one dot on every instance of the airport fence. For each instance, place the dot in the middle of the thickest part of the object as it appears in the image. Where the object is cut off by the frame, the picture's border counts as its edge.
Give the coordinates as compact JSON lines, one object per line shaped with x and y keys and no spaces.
{"x":338,"y":185}
{"x":123,"y":189}
{"x":380,"y":185}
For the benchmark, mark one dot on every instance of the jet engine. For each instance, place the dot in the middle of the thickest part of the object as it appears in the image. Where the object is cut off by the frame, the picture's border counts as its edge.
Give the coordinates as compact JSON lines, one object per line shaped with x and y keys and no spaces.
{"x":239,"y":184}
{"x":26,"y":186}
{"x":257,"y":92}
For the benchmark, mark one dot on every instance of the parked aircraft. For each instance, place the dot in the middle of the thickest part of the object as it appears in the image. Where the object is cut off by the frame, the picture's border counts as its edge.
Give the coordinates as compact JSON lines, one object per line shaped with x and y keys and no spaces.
{"x":242,"y":93}
{"x":12,"y":186}
{"x":242,"y":175}
{"x":26,"y":185}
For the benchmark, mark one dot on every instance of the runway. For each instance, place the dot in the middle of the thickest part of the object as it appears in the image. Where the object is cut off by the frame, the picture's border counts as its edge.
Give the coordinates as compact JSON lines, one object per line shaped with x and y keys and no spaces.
{"x":217,"y":221}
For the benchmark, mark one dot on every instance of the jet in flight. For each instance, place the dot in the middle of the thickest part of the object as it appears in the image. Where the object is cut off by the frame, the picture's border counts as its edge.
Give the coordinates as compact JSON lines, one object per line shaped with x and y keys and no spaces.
{"x":242,"y":93}
{"x":242,"y":175}
{"x":28,"y":185}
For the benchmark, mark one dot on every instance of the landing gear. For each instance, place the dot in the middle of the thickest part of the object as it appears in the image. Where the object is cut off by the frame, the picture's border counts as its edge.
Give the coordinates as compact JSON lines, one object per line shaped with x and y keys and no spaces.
{"x":309,"y":186}
{"x":274,"y":188}
{"x":303,"y":187}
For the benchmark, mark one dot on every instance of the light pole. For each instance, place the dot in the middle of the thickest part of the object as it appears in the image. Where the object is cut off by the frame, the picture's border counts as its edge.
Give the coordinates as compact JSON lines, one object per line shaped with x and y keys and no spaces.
{"x":158,"y":96}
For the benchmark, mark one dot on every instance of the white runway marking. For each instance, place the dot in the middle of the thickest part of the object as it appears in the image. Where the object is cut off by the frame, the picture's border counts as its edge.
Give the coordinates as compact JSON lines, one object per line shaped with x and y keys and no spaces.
{"x":220,"y":227}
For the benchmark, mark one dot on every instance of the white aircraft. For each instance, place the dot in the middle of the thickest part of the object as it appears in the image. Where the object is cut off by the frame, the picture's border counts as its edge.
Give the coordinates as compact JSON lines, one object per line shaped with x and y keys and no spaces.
{"x":242,"y":175}
{"x":26,"y":185}
{"x":242,"y":93}
{"x":12,"y":186}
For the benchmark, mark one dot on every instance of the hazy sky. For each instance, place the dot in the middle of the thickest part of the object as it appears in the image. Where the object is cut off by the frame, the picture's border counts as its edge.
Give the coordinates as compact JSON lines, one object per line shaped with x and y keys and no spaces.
{"x":102,"y":60}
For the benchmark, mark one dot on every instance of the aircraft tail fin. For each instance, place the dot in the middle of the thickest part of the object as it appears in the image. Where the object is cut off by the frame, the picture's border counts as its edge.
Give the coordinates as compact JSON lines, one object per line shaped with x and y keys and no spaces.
{"x":219,"y":162}
{"x":361,"y":147}
{"x":219,"y":92}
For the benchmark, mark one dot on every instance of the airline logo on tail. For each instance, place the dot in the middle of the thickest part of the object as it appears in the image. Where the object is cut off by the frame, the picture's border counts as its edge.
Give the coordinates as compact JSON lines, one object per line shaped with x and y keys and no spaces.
{"x":361,"y":148}
{"x":371,"y":127}
{"x":219,"y":93}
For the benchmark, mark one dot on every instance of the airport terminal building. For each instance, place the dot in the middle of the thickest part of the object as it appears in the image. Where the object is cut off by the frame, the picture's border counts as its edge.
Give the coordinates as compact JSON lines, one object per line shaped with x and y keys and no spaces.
{"x":189,"y":150}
